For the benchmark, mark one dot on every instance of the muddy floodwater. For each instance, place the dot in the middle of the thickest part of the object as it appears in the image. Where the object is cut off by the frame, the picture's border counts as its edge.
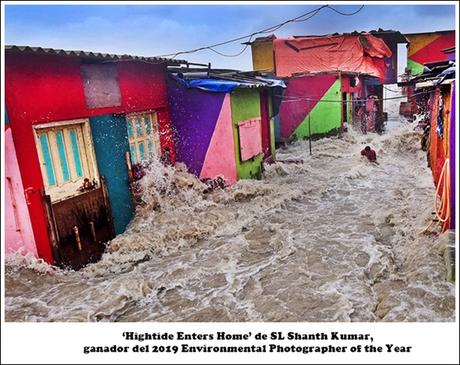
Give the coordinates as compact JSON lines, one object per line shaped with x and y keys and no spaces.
{"x":329,"y":238}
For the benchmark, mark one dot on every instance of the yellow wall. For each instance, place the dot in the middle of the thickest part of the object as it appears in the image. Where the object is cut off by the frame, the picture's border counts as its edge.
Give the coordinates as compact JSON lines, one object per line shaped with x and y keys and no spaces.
{"x":418,"y":41}
{"x":262,"y":56}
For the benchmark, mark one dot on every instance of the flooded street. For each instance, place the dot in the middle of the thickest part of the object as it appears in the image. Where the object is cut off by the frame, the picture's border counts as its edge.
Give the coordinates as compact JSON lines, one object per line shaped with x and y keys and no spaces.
{"x":331,"y":238}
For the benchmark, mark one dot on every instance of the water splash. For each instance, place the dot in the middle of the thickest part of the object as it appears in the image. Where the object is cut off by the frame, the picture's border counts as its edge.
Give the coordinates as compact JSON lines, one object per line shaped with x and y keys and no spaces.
{"x":331,"y":238}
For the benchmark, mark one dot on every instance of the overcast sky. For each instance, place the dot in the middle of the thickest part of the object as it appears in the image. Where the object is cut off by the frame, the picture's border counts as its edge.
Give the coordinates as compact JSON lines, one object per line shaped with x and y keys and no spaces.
{"x":150,"y":30}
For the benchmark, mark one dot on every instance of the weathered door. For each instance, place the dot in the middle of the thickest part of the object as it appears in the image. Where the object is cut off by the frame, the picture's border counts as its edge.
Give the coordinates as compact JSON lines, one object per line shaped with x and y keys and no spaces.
{"x":82,"y":224}
{"x":265,"y":120}
{"x":75,"y":197}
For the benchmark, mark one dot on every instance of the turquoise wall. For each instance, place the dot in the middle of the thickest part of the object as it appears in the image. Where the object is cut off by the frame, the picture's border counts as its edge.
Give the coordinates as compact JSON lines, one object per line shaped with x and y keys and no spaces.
{"x":110,"y":139}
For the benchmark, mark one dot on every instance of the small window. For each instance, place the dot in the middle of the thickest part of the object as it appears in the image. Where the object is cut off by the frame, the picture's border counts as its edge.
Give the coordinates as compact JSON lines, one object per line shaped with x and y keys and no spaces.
{"x":66,"y":157}
{"x":144,"y":140}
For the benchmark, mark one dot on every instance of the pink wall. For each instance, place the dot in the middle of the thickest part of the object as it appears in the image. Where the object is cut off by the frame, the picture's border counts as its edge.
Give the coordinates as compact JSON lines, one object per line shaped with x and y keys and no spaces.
{"x":250,"y":138}
{"x":220,"y":157}
{"x":18,"y":230}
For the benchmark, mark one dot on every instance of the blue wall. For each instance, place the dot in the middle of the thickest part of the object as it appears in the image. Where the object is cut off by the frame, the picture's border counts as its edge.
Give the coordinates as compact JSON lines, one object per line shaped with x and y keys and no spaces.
{"x":7,"y":120}
{"x":110,"y":139}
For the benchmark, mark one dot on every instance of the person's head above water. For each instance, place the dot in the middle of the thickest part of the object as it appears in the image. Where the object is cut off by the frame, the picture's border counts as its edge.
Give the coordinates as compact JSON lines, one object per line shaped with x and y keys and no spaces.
{"x":367,"y":148}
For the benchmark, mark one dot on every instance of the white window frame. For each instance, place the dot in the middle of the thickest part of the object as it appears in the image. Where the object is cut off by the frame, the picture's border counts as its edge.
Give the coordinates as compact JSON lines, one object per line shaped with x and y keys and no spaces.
{"x":136,"y":140}
{"x":65,"y":189}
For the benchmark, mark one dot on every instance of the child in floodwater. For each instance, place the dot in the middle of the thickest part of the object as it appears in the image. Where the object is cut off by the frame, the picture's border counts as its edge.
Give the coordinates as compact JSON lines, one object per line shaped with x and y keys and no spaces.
{"x":370,"y":154}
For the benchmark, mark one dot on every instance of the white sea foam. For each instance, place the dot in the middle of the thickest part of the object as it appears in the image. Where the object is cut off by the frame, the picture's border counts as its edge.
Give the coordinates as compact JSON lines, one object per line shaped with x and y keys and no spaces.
{"x":331,"y":238}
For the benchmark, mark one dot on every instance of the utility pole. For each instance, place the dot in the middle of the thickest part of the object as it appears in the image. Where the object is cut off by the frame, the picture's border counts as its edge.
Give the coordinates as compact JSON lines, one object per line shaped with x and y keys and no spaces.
{"x":309,"y":124}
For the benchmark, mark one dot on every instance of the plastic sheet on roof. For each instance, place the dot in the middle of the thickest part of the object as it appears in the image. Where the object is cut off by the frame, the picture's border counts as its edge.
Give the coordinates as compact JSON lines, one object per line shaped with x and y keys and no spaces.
{"x":362,"y":53}
{"x":227,"y":86}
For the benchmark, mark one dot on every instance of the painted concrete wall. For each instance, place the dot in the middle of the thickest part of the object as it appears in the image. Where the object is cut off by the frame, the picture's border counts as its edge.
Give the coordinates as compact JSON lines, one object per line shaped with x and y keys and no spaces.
{"x":202,"y":124}
{"x":220,"y":157}
{"x":245,"y":105}
{"x":309,"y":97}
{"x":110,"y":138}
{"x":19,"y":236}
{"x":194,"y":113}
{"x":325,"y":116}
{"x":427,"y":47}
{"x":262,"y":56}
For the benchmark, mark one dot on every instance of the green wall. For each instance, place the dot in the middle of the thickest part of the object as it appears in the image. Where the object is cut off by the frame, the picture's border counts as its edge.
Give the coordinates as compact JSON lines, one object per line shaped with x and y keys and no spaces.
{"x":414,"y":67}
{"x":325,"y":116}
{"x":349,"y":108}
{"x":245,"y":105}
{"x":110,"y":137}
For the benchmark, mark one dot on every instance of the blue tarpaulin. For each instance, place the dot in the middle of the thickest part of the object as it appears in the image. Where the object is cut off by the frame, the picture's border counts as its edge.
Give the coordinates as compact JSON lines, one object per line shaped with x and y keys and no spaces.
{"x":217,"y":86}
{"x":226,"y":86}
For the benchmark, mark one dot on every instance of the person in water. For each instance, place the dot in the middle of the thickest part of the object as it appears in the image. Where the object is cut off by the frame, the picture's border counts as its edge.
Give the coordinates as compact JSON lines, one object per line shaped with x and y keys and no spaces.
{"x":370,"y":154}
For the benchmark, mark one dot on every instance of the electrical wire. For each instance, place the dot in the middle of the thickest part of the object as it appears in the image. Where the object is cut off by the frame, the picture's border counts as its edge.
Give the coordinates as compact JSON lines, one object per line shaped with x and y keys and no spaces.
{"x":300,"y":18}
{"x":346,"y":14}
{"x":394,"y":91}
{"x":262,"y":32}
{"x":301,"y":98}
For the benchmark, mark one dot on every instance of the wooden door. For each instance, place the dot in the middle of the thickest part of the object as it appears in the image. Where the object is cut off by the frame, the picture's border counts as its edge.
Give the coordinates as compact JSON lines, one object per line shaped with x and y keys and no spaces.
{"x":265,"y":120}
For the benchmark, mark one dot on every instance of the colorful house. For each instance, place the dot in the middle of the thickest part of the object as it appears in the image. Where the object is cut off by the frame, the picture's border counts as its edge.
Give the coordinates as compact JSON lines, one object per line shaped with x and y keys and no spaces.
{"x":427,"y":48}
{"x":326,"y":76}
{"x":312,"y":104}
{"x":435,"y":94}
{"x":77,"y":121}
{"x":223,"y":122}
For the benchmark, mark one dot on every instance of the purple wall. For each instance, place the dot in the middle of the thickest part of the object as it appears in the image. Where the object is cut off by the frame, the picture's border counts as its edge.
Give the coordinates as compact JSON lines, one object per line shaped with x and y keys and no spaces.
{"x":193,"y":114}
{"x":452,"y":159}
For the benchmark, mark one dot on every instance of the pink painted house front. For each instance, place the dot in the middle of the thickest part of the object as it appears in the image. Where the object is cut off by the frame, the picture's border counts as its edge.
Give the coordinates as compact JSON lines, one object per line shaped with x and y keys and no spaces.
{"x":19,"y":236}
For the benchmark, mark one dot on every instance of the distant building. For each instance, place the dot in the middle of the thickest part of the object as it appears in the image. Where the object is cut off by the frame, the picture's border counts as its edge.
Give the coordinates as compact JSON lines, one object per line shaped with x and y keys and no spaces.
{"x":434,"y":97}
{"x":427,"y":47}
{"x":329,"y":78}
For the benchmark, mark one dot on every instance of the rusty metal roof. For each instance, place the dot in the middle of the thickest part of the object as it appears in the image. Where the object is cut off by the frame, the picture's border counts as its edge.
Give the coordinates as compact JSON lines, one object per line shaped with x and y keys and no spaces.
{"x":90,"y":55}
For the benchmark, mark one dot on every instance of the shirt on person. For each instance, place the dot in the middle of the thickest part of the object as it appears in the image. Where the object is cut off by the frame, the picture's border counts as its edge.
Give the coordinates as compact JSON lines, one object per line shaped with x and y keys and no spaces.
{"x":371,"y":155}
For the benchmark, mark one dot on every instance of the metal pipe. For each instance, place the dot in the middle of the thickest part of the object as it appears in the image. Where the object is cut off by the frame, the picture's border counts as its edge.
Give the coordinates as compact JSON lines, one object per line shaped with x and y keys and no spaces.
{"x":77,"y":237}
{"x":309,"y":126}
{"x":93,"y":231}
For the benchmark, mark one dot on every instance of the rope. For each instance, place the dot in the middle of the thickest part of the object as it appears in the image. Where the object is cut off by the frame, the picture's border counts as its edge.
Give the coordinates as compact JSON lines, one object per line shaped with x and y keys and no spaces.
{"x":443,"y":211}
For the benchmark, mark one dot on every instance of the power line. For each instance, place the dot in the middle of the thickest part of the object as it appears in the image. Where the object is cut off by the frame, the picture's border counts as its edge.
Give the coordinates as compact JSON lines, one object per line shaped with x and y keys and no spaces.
{"x":300,"y":18}
{"x":346,"y":14}
{"x":393,"y":91}
{"x":301,"y":98}
{"x":272,"y":29}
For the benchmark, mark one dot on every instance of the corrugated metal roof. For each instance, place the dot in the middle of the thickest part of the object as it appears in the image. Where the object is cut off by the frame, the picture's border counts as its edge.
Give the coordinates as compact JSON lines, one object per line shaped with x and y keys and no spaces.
{"x":88,"y":54}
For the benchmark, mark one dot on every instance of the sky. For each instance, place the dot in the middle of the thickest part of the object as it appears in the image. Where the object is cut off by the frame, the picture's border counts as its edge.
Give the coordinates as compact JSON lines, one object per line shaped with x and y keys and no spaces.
{"x":153,"y":30}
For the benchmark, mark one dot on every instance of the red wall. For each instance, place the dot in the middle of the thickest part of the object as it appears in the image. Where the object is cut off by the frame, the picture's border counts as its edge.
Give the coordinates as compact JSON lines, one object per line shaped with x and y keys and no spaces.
{"x":47,"y":88}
